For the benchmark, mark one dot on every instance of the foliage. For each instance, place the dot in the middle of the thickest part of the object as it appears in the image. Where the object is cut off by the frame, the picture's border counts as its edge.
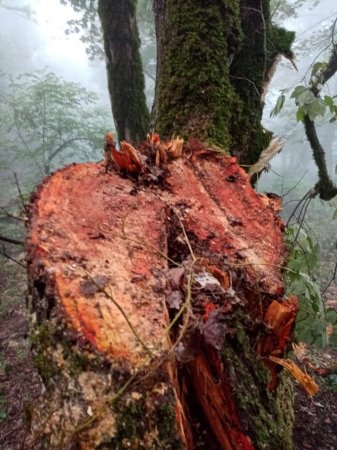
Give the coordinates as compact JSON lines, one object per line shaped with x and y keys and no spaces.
{"x":46,"y":121}
{"x":313,"y":318}
{"x":281,"y":9}
{"x":87,"y":26}
{"x":308,"y":104}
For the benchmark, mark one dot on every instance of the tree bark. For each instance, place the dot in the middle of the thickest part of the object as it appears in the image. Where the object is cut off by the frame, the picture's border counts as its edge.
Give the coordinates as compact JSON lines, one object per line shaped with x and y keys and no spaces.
{"x":124,"y":68}
{"x":213,"y":59}
{"x":156,"y":305}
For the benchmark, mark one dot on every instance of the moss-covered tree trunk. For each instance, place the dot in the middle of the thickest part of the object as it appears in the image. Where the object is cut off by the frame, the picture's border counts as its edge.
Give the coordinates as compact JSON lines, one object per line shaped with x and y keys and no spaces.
{"x":124,"y":68}
{"x":213,"y":61}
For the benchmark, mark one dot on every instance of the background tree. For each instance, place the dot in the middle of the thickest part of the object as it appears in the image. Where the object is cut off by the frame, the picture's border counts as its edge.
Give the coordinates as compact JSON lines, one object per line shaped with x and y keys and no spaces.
{"x":122,"y":53}
{"x":47,"y":121}
{"x":124,"y":68}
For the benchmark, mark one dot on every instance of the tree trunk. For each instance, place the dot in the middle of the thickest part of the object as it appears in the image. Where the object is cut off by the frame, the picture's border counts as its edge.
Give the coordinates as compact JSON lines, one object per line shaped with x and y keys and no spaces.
{"x":213,"y":61}
{"x":124,"y":68}
{"x":158,"y":302}
{"x":156,"y":305}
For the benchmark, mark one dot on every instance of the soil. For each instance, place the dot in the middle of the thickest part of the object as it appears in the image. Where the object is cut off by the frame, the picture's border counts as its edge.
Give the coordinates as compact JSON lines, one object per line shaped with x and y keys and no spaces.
{"x":21,"y":386}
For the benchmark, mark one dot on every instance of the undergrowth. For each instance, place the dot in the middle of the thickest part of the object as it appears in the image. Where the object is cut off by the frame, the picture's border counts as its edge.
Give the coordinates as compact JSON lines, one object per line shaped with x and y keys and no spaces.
{"x":315,"y":324}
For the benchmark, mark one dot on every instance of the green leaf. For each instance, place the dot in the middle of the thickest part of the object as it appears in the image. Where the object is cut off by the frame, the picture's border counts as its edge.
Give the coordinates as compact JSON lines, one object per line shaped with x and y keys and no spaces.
{"x":300,"y":114}
{"x":329,"y":102}
{"x":331,"y":316}
{"x":316,"y":108}
{"x":278,"y":106}
{"x":298,"y":91}
{"x":316,"y":68}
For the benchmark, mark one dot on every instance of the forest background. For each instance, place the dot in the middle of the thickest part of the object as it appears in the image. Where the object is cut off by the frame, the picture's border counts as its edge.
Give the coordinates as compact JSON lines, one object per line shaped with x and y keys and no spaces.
{"x":41,"y":130}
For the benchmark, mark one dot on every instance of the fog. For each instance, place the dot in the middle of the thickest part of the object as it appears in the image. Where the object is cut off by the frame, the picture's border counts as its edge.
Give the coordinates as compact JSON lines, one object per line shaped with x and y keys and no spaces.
{"x":32,"y":42}
{"x":313,"y":34}
{"x":293,"y":171}
{"x":41,"y":42}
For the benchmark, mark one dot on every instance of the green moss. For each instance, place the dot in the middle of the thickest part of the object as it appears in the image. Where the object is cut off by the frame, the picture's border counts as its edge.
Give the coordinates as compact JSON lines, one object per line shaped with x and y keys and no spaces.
{"x":124,"y":68}
{"x":77,"y":361}
{"x":166,"y":417}
{"x":262,"y":42}
{"x":46,"y":340}
{"x":195,"y":96}
{"x":130,"y":424}
{"x":280,"y":41}
{"x":43,"y":343}
{"x":267,"y":418}
{"x":215,"y":58}
{"x":147,"y":420}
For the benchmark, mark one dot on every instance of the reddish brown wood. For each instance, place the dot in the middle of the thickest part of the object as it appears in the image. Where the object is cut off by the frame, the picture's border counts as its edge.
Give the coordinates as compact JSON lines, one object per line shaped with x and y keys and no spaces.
{"x":89,"y":229}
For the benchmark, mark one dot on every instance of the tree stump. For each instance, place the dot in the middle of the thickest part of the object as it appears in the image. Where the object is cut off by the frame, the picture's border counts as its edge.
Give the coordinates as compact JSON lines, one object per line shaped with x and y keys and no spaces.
{"x":156,"y":304}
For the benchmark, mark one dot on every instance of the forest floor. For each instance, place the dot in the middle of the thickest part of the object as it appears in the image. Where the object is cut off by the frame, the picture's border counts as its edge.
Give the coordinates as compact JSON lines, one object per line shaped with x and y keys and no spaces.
{"x":21,"y":386}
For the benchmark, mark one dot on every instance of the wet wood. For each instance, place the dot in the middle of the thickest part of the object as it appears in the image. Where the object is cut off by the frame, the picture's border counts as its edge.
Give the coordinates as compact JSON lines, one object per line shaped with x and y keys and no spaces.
{"x":100,"y":251}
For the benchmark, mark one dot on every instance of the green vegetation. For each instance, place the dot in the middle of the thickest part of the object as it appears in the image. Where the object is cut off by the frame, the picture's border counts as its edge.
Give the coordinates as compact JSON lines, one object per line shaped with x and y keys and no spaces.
{"x":147,"y":420}
{"x":212,"y":77}
{"x":47,"y":121}
{"x":269,"y":417}
{"x":313,"y":317}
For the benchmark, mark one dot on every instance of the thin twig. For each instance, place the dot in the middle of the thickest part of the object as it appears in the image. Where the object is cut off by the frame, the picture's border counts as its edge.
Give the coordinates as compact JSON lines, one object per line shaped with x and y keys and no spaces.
{"x":302,"y":215}
{"x":185,"y":235}
{"x":11,"y":241}
{"x":124,"y":236}
{"x":331,"y":281}
{"x":11,"y":216}
{"x":295,"y":186}
{"x":25,"y":207}
{"x":121,"y":310}
{"x":312,"y":192}
{"x":113,"y":398}
{"x":4,"y":253}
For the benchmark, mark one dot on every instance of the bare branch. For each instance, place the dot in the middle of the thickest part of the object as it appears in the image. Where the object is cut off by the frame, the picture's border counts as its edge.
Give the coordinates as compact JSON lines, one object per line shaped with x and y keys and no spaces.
{"x":11,"y":216}
{"x":25,"y":207}
{"x":11,"y":241}
{"x":4,"y":253}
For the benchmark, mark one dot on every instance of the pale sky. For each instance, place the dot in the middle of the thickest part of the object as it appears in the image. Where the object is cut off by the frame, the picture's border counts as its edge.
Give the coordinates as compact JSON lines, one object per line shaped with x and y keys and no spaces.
{"x":65,"y":54}
{"x":65,"y":51}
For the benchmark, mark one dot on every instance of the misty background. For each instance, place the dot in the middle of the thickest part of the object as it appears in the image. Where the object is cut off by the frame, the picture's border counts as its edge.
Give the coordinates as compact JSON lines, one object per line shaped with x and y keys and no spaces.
{"x":34,"y":41}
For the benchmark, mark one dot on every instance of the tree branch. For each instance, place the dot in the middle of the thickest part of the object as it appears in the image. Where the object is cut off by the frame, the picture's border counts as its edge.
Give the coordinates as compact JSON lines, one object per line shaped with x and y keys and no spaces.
{"x":325,"y":186}
{"x":24,"y":206}
{"x":10,"y":240}
{"x":9,"y":215}
{"x":64,"y":145}
{"x":4,"y":253}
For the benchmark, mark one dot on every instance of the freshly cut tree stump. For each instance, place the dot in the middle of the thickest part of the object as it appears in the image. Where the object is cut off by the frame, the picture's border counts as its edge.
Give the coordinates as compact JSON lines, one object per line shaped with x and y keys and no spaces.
{"x":156,"y":304}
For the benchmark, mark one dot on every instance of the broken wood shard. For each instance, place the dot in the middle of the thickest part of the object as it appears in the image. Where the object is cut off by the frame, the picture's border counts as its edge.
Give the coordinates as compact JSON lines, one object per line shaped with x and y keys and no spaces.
{"x":152,"y":302}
